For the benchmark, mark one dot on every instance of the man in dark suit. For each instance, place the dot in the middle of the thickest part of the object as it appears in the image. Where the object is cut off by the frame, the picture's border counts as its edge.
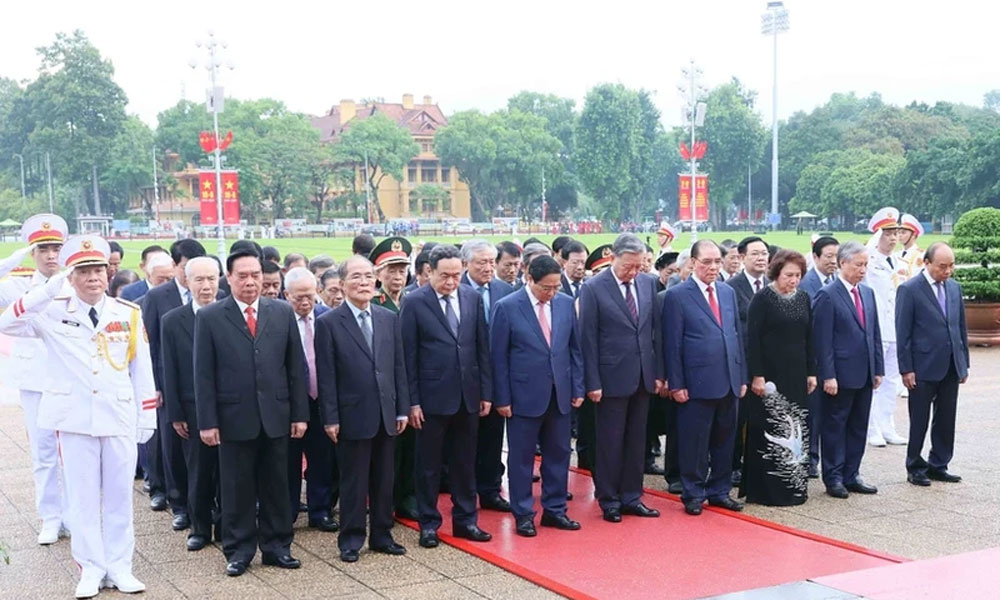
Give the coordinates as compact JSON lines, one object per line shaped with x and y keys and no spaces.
{"x":848,"y":346}
{"x":177,"y":379}
{"x":251,"y":393}
{"x":321,"y":474}
{"x":933,"y":351}
{"x":134,"y":291}
{"x":754,"y":253}
{"x":824,"y":271}
{"x":365,"y":404}
{"x":167,"y":455}
{"x":479,"y":258}
{"x":707,"y":376}
{"x":574,"y":255}
{"x":450,"y":389}
{"x":620,"y":338}
{"x":538,"y":368}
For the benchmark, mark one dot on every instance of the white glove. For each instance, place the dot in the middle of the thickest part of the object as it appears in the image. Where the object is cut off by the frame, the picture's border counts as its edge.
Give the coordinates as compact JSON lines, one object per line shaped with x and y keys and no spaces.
{"x":143,"y":435}
{"x":14,"y":260}
{"x":55,"y":283}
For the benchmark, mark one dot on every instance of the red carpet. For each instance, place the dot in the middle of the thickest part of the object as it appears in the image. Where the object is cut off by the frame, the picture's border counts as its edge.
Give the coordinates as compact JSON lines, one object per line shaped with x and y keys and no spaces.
{"x":960,"y":576}
{"x":674,"y":556}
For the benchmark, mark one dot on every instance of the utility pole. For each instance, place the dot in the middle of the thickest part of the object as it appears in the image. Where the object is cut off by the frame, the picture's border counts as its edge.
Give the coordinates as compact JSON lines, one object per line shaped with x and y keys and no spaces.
{"x":48,"y":170}
{"x":21,"y":158}
{"x":773,"y":22}
{"x":156,"y":190}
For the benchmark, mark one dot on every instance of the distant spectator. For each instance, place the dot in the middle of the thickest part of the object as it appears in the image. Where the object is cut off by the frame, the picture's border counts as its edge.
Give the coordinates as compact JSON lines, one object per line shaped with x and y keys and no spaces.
{"x":115,"y":259}
{"x":271,"y":285}
{"x":319,"y":264}
{"x":271,"y":253}
{"x":508,"y":261}
{"x":363,"y":244}
{"x":122,"y":278}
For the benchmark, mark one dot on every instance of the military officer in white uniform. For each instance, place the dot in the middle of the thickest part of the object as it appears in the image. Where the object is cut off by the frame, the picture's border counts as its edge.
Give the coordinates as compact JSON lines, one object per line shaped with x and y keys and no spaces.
{"x":886,"y":271}
{"x":101,"y":403}
{"x":911,"y":254}
{"x":43,"y":236}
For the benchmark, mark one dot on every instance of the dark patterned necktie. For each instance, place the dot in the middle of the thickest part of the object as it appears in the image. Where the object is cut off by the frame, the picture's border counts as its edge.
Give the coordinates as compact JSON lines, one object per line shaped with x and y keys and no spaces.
{"x":630,"y":302}
{"x":93,"y":316}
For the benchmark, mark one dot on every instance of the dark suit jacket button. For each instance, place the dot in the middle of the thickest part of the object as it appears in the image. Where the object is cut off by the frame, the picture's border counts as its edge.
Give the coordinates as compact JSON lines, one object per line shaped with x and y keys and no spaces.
{"x":376,"y":372}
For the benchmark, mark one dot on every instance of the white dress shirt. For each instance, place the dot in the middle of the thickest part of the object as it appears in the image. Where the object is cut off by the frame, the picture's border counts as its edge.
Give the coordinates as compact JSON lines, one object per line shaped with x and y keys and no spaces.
{"x":243,"y":307}
{"x":703,"y":288}
{"x":753,"y":281}
{"x":547,"y":307}
{"x":822,"y":277}
{"x":183,"y":291}
{"x":621,"y":289}
{"x":453,"y":300}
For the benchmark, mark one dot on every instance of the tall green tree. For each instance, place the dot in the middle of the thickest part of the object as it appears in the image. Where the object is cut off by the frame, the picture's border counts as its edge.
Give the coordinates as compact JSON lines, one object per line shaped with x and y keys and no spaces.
{"x":469,"y":142}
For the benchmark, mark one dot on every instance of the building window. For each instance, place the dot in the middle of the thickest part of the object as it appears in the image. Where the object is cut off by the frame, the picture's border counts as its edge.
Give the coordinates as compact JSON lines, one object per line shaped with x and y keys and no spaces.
{"x":411,"y":175}
{"x":446,"y":176}
{"x":446,"y":204}
{"x":414,"y":204}
{"x":429,"y":174}
{"x":427,"y":147}
{"x":430,"y":206}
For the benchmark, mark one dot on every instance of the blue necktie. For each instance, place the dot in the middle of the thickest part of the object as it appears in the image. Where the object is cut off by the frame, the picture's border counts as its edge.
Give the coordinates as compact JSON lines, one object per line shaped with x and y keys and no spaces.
{"x":450,"y":316}
{"x":485,"y":293}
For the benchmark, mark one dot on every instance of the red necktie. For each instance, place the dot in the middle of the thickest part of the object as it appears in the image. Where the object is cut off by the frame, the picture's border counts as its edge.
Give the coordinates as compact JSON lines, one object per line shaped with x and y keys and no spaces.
{"x":714,"y":305}
{"x":251,"y":321}
{"x":756,"y":286}
{"x":857,"y":305}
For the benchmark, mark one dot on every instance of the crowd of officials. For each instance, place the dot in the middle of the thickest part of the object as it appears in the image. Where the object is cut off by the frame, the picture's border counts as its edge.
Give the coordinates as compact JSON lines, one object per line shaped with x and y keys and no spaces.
{"x":397,"y":374}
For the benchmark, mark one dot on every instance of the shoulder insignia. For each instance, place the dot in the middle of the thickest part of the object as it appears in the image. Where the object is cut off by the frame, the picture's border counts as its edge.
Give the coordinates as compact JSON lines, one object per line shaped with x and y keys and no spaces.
{"x":128,"y":304}
{"x":22,"y":272}
{"x":61,"y":298}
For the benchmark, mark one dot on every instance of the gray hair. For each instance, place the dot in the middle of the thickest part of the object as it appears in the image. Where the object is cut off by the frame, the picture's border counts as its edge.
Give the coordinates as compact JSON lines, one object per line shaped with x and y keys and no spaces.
{"x":627,"y":243}
{"x":848,"y":250}
{"x":299,"y":274}
{"x":159,"y":259}
{"x":474,"y":246}
{"x":321,"y":262}
{"x":193,"y":263}
{"x":684,"y":256}
{"x":534,"y":250}
{"x":342,"y":269}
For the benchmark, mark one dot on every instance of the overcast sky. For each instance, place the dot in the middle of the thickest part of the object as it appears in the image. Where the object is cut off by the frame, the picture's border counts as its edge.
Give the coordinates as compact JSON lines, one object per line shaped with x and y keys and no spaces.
{"x":475,"y":54}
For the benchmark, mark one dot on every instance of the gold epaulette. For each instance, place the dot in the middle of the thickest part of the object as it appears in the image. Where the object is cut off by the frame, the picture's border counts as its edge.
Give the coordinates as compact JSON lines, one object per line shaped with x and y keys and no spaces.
{"x":61,"y":298}
{"x":128,"y":304}
{"x":22,"y":272}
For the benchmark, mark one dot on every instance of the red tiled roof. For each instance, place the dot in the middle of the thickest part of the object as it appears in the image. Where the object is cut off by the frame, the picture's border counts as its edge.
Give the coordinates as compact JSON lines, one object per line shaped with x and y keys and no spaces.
{"x":422,"y":119}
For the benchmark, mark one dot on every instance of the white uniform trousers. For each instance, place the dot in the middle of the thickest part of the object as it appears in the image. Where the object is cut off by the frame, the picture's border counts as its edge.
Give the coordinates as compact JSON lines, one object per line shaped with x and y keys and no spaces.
{"x":99,"y":472}
{"x":50,"y":499}
{"x":880,"y":420}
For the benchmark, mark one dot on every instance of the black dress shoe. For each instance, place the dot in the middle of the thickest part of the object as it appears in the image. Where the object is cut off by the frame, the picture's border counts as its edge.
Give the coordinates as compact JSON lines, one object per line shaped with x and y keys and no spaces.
{"x":158,"y":502}
{"x":145,"y":487}
{"x":693,"y":508}
{"x":559,"y":522}
{"x":918,"y":479}
{"x":639,"y":510}
{"x":860,"y":487}
{"x":526,"y":528}
{"x":196,"y":542}
{"x":236,"y":568}
{"x":324,"y":524}
{"x":496,"y":503}
{"x":813,"y":472}
{"x":181,"y":522}
{"x":613,"y":515}
{"x":429,"y":538}
{"x":676,"y":488}
{"x":471,"y":532}
{"x":837,"y":490}
{"x":943,"y":476}
{"x":727,"y":503}
{"x":736,"y":477}
{"x":569,"y":495}
{"x":653,"y":469}
{"x":405,"y":512}
{"x":285,"y":562}
{"x":349,"y":556}
{"x":392,"y":548}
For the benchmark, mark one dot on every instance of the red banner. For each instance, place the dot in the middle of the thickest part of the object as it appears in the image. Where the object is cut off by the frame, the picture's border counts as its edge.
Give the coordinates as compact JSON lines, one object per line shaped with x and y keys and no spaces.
{"x":230,"y":198}
{"x":700,"y":198}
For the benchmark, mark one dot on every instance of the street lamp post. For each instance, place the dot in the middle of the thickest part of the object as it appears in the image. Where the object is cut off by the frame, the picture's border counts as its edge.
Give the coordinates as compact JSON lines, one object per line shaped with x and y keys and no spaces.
{"x":694,"y":112}
{"x":773,"y":22}
{"x":215,"y":99}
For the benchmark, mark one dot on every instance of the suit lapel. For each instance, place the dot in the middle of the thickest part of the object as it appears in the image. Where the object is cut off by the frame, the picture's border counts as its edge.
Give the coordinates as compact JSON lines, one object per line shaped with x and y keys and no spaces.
{"x":467,"y":307}
{"x":846,"y":298}
{"x":616,"y":293}
{"x":524,"y":303}
{"x":435,"y":306}
{"x":645,"y":301}
{"x":263,"y":317}
{"x":187,"y":322}
{"x":349,"y":323}
{"x":928,"y":291}
{"x":698,"y":297}
{"x":236,"y":318}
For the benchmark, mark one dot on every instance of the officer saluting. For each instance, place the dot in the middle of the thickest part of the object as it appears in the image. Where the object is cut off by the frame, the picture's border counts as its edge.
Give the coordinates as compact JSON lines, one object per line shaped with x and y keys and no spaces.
{"x":101,"y":404}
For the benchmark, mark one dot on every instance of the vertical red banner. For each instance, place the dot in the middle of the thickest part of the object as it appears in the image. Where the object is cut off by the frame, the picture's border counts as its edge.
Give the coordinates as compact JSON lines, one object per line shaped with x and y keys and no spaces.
{"x":684,"y":197}
{"x":700,"y":197}
{"x":206,"y":193}
{"x":230,"y":197}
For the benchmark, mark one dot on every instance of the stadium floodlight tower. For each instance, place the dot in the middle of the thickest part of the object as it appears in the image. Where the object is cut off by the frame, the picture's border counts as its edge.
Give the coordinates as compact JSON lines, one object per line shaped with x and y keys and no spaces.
{"x":772,"y":22}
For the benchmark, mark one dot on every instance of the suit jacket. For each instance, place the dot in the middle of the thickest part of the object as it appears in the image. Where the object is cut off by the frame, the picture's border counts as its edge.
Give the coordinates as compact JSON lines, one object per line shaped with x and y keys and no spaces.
{"x":844,"y":350}
{"x":242,"y":383}
{"x":498,"y":290}
{"x":133,"y":291}
{"x":445,"y":371}
{"x":525,"y":367}
{"x":567,"y":287}
{"x":744,"y":294}
{"x":811,"y":283}
{"x":155,"y":304}
{"x":318,"y":311}
{"x":176,"y":350}
{"x":616,"y":351}
{"x":927,"y":342}
{"x":361,"y":389}
{"x":698,"y":350}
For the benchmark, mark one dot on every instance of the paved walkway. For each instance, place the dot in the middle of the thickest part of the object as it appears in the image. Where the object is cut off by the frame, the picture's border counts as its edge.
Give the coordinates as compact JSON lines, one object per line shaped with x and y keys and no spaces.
{"x":902,"y":520}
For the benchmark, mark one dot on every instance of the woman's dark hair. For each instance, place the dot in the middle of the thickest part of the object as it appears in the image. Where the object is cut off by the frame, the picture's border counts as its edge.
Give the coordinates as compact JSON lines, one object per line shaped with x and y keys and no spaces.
{"x":782,"y":258}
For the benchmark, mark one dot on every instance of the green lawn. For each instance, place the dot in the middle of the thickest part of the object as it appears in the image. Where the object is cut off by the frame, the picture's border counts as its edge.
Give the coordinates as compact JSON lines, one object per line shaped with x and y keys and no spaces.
{"x":340,"y":248}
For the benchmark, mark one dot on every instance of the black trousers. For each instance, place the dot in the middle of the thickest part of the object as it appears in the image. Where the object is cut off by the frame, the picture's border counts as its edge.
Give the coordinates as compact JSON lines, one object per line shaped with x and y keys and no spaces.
{"x":845,"y":433}
{"x":462,"y":429}
{"x":741,"y":433}
{"x":941,"y":397}
{"x":404,"y":485}
{"x":322,"y":483}
{"x":586,"y":441}
{"x":204,"y":493}
{"x":621,"y":436}
{"x":175,"y":475}
{"x":365,"y":483}
{"x":255,"y":508}
{"x":489,"y":455}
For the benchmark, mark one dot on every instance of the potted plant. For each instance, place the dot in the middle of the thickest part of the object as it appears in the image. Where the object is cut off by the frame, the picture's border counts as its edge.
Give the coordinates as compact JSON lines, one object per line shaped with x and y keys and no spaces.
{"x":976,"y":240}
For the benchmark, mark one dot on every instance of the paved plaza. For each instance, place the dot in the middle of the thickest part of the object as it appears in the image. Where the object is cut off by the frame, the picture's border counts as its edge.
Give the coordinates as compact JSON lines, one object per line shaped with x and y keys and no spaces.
{"x":901,"y":520}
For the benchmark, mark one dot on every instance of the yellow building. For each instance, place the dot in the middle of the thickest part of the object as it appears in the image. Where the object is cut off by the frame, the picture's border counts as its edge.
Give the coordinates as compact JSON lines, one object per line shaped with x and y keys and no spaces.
{"x":179,"y":200}
{"x":396,"y":197}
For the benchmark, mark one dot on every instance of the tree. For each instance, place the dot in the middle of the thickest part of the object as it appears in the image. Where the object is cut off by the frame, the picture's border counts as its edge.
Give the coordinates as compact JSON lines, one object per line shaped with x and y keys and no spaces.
{"x":560,"y":122}
{"x":326,"y":176}
{"x":386,"y":147}
{"x":428,"y":198}
{"x":469,"y":142}
{"x":129,"y":166}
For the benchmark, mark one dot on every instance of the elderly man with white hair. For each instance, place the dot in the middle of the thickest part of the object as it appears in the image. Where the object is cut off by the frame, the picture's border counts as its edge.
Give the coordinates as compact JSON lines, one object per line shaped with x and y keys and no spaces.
{"x":321,"y":479}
